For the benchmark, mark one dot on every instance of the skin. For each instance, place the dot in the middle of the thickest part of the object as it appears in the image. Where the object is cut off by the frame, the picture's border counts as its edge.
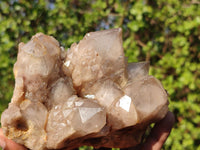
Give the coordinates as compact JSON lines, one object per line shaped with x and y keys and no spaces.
{"x":154,"y":141}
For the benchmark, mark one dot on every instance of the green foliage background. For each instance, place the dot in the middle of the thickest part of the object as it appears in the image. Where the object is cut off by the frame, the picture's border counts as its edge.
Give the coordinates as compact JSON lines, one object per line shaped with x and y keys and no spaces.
{"x":165,"y":32}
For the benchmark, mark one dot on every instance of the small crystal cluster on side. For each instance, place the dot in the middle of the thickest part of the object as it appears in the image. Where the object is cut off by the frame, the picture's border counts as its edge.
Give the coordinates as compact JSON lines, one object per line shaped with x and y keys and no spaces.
{"x":87,"y":95}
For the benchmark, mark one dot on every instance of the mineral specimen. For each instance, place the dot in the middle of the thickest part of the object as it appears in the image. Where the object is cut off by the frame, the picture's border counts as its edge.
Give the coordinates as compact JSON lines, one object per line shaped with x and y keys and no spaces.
{"x":87,"y":95}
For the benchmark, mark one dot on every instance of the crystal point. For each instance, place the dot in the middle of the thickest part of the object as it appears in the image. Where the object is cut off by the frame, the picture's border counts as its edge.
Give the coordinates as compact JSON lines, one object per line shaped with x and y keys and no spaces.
{"x":93,"y":58}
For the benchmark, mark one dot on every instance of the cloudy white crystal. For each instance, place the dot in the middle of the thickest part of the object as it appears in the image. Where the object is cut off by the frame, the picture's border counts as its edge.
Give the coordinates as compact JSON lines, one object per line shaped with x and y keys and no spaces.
{"x":85,"y":96}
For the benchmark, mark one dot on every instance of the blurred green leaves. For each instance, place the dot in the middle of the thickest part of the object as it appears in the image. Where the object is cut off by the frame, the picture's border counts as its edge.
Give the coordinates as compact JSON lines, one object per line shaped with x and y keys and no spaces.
{"x":164,"y":32}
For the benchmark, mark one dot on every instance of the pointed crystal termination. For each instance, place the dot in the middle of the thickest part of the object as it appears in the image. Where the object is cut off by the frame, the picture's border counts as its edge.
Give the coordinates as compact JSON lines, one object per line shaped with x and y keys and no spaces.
{"x":85,"y":96}
{"x":99,"y":55}
{"x":38,"y":62}
{"x":74,"y":118}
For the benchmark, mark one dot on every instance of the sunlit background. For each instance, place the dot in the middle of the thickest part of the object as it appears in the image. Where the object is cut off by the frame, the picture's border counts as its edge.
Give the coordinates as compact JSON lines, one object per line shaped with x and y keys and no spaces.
{"x":164,"y":32}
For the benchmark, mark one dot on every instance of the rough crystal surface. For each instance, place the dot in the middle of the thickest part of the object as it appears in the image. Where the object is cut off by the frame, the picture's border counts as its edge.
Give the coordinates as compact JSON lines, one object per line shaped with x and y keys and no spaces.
{"x":88,"y":95}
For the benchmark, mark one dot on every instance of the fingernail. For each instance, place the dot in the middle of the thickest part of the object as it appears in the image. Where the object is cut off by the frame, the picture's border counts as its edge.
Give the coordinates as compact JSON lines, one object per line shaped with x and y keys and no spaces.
{"x":2,"y":143}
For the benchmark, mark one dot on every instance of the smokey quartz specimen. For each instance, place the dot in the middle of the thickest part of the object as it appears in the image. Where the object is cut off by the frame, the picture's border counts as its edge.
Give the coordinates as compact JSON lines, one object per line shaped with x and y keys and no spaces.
{"x":87,"y":95}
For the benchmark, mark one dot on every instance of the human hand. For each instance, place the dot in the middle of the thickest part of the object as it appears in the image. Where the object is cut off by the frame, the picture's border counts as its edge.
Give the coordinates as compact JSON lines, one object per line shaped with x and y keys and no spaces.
{"x":8,"y":144}
{"x":154,"y":141}
{"x":158,"y":134}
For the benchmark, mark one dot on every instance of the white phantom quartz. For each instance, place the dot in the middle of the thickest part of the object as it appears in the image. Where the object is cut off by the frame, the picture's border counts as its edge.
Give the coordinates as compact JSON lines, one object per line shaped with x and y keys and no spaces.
{"x":88,"y":95}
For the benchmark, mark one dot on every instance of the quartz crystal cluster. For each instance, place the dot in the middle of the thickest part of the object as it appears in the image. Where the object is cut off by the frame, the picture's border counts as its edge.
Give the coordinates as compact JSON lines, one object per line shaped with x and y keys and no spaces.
{"x":88,"y":95}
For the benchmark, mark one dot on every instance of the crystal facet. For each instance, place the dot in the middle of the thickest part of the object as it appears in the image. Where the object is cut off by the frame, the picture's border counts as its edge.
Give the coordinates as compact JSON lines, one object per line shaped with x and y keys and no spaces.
{"x":125,"y":102}
{"x":88,"y":95}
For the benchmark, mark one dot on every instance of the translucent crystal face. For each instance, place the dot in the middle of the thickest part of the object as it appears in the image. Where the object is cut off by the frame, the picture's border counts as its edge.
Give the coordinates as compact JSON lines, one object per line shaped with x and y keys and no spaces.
{"x":99,"y":55}
{"x":104,"y":91}
{"x":85,"y":96}
{"x":90,"y":117}
{"x":125,"y":103}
